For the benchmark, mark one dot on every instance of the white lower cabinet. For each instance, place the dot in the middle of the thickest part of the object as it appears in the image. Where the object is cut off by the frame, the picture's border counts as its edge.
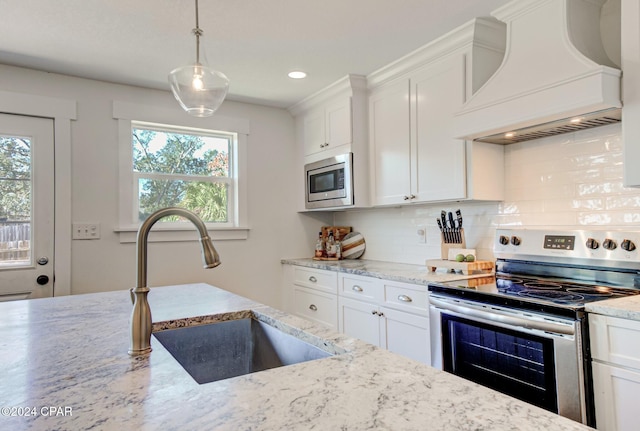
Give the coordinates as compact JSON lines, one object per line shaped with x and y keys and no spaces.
{"x":615,"y":351}
{"x":312,"y":294}
{"x":387,"y":314}
{"x":316,"y":306}
{"x":360,"y":320}
{"x":373,"y":311}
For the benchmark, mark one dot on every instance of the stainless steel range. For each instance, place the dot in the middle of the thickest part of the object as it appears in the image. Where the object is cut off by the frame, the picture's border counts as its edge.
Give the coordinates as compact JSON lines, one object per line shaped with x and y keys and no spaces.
{"x":524,"y":331}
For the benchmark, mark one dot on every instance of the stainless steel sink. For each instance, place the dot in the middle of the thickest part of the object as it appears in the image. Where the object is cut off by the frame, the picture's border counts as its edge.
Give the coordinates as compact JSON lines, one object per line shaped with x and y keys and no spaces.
{"x":233,"y":348}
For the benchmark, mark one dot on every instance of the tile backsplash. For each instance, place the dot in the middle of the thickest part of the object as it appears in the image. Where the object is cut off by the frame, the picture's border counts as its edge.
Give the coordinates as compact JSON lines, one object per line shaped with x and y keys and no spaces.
{"x":570,"y":181}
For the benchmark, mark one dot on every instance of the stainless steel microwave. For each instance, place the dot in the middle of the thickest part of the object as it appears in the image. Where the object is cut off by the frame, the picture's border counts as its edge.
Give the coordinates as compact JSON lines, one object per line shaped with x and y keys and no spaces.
{"x":329,"y":182}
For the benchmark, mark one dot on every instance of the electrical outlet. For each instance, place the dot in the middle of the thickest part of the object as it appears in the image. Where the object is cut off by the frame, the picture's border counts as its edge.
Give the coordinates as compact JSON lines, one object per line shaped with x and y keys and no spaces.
{"x":421,"y":231}
{"x":86,"y":231}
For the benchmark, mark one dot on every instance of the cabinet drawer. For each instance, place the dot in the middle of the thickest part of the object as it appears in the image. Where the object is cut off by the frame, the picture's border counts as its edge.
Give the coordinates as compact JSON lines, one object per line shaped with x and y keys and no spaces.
{"x":319,"y":279}
{"x":406,"y":297}
{"x":362,"y":288}
{"x":615,"y":340}
{"x":316,"y":306}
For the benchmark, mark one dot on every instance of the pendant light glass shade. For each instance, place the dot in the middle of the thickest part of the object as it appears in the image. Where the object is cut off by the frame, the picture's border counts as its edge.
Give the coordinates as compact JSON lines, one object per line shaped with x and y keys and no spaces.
{"x":199,"y":89}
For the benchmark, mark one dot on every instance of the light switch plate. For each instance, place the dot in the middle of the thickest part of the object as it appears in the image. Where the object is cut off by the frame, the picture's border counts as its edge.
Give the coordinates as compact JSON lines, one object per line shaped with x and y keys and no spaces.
{"x":421,"y":232}
{"x":86,"y":231}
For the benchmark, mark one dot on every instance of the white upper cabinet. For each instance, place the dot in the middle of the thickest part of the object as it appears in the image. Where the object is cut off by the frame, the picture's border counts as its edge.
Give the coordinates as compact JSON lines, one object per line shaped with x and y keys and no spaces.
{"x":415,"y":159}
{"x":630,"y":47}
{"x":333,"y":122}
{"x":328,"y":127}
{"x":414,"y":156}
{"x":389,"y":135}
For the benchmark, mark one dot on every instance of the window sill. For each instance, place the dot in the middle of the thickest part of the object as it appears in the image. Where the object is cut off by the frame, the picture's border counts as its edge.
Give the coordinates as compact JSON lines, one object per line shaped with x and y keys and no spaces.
{"x":129,"y":234}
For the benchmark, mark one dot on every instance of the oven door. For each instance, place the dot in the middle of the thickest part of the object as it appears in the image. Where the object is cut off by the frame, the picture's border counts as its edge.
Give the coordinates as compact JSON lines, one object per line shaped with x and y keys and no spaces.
{"x":535,"y":358}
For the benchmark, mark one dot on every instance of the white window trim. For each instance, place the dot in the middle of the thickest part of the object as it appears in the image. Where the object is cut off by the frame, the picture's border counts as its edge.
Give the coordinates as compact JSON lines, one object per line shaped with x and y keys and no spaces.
{"x":125,"y":113}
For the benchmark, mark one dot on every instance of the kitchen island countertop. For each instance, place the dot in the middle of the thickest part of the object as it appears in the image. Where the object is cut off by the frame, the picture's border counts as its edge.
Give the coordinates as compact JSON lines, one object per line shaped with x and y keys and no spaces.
{"x":65,"y":366}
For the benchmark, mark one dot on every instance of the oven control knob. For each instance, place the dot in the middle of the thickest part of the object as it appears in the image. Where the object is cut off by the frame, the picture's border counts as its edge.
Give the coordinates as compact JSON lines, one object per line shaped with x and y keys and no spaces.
{"x":609,"y":244}
{"x":515,"y":240}
{"x":504,"y":240}
{"x":592,"y":243}
{"x":628,"y":245}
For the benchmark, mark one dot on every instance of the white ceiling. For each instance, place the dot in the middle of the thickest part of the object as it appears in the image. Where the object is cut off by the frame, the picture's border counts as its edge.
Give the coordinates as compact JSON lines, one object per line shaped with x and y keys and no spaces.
{"x":254,"y":42}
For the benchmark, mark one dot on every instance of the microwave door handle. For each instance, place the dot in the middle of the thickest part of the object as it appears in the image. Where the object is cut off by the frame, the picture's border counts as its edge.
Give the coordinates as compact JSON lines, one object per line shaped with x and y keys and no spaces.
{"x":492,"y":316}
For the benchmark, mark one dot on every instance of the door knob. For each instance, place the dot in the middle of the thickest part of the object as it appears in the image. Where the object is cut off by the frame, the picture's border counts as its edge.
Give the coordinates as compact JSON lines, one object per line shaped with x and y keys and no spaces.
{"x":43,"y":260}
{"x":42,"y":280}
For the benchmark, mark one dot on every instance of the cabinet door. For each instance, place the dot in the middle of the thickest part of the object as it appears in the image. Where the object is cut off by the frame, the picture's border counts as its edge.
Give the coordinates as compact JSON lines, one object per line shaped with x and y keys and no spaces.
{"x":318,"y":279}
{"x":616,"y":397}
{"x":438,"y":160}
{"x":314,"y":132}
{"x":338,"y":123}
{"x":389,"y":138}
{"x":407,"y":335}
{"x":359,"y":319}
{"x":360,"y":288}
{"x":615,"y":340}
{"x":316,"y":306}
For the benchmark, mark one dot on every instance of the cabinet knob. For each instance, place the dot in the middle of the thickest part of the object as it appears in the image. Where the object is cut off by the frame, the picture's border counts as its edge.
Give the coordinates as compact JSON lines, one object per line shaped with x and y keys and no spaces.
{"x":357,"y":288}
{"x":412,"y":196}
{"x":374,"y":312}
{"x":313,"y":279}
{"x":312,"y":307}
{"x":405,"y":298}
{"x":406,"y":198}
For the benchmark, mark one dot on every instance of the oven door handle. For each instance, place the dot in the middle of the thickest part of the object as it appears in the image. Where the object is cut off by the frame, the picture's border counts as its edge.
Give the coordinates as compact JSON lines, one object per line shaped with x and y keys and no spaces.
{"x":485,"y":315}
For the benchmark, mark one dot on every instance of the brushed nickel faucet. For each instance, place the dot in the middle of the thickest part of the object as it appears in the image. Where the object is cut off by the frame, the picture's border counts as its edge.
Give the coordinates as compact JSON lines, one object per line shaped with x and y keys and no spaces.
{"x":141,"y":314}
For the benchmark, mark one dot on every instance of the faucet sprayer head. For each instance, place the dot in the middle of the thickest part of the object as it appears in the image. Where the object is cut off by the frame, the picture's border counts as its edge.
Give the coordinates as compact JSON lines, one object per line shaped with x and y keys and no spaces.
{"x":210,"y":256}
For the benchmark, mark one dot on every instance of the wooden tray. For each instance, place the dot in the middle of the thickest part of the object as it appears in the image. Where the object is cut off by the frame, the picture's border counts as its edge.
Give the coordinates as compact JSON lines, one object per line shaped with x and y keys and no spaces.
{"x":467,"y":268}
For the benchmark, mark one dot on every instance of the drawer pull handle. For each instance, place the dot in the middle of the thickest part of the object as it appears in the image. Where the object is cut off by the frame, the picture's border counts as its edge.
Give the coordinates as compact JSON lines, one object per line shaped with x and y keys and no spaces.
{"x":313,"y":279}
{"x":405,"y":298}
{"x":312,"y":307}
{"x":356,"y":288}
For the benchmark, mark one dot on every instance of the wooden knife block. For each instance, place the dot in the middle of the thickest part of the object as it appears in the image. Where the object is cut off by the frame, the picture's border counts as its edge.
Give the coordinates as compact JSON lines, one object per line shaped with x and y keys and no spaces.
{"x":445,"y":246}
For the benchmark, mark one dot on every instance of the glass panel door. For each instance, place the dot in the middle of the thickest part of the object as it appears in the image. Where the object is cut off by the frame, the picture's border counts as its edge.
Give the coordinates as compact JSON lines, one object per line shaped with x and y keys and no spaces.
{"x":515,"y":363}
{"x":26,"y":207}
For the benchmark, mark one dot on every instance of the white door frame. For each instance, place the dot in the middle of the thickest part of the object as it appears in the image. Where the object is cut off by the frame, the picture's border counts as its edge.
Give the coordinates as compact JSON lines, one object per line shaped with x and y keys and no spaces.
{"x":63,"y":111}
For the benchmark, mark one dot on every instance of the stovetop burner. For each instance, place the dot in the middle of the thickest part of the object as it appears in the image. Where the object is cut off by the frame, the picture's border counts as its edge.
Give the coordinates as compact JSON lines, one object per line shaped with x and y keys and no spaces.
{"x":557,"y":291}
{"x":532,"y":293}
{"x":554,"y":271}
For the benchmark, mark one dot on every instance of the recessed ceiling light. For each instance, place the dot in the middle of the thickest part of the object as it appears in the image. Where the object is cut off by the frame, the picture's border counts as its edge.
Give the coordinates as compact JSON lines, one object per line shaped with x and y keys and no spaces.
{"x":297,"y":74}
{"x":576,"y":120}
{"x":510,"y":134}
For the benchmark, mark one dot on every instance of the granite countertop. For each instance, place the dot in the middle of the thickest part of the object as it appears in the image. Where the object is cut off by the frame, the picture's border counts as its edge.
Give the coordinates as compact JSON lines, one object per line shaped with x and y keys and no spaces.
{"x":408,"y":273}
{"x":625,"y":308}
{"x":65,"y":366}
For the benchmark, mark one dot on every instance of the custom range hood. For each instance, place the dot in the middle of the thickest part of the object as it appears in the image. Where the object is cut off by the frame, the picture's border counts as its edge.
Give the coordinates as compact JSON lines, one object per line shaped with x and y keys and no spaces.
{"x":556,"y":76}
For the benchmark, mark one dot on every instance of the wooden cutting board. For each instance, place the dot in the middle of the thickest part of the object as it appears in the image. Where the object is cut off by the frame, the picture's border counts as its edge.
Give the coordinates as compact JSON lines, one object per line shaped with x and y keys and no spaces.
{"x":342,"y":230}
{"x":467,"y":268}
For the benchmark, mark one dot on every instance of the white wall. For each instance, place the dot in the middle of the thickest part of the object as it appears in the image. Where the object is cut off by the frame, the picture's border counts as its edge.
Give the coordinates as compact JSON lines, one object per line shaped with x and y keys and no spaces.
{"x":250,"y":267}
{"x":567,"y":181}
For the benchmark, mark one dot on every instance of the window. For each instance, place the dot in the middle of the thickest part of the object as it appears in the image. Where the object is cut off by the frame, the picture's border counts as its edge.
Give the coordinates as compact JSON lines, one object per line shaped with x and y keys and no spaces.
{"x":169,"y":159}
{"x":182,"y":167}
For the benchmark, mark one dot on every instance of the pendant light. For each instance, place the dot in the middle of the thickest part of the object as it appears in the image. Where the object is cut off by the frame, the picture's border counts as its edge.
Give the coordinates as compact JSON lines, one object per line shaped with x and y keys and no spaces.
{"x":199,"y":89}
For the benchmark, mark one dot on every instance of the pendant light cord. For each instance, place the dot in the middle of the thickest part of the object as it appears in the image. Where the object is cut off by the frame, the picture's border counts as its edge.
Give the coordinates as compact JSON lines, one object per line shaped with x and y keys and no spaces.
{"x":198,"y":32}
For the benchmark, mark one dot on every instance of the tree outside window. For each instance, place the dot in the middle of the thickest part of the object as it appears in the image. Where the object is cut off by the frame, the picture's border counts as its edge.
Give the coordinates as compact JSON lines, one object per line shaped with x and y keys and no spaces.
{"x":183,"y":168}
